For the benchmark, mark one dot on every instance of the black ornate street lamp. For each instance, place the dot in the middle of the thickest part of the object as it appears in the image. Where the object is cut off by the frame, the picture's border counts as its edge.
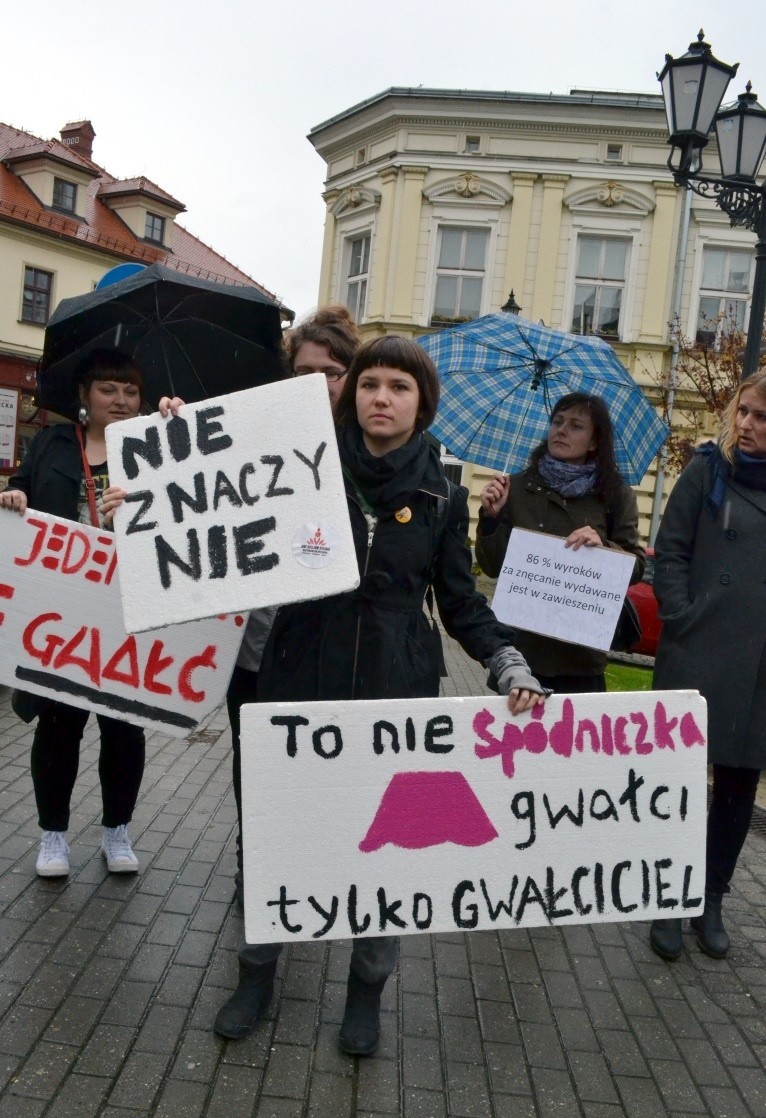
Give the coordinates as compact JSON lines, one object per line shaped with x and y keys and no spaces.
{"x":693,"y":87}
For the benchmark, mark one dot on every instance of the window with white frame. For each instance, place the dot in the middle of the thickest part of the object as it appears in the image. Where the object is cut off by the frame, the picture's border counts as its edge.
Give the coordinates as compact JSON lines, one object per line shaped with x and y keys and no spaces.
{"x":599,"y":285}
{"x":460,"y":273}
{"x":724,"y":293}
{"x":357,"y":274}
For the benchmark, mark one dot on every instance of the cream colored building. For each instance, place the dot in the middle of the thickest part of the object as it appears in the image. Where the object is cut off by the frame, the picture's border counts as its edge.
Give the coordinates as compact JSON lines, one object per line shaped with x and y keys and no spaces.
{"x":442,"y":202}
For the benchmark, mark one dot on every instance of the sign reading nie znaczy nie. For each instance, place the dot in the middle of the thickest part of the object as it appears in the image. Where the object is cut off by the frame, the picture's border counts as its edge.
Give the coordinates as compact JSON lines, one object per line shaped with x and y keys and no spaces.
{"x":236,"y":502}
{"x":433,"y":815}
{"x":62,"y":635}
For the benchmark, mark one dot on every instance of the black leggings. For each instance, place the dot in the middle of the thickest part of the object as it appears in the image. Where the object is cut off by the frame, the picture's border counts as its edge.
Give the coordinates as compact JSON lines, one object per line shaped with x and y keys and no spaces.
{"x":56,"y":759}
{"x":727,"y":823}
{"x":243,"y":688}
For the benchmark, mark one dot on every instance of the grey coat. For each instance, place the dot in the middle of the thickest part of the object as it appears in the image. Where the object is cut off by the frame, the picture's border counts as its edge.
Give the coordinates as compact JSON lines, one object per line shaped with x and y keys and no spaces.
{"x":710,"y":581}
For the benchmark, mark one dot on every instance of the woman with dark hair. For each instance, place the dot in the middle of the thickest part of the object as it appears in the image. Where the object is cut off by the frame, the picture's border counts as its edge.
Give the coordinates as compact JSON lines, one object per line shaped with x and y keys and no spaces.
{"x":65,"y":474}
{"x":570,"y":488}
{"x":324,"y":343}
{"x":377,"y":642}
{"x":710,"y":582}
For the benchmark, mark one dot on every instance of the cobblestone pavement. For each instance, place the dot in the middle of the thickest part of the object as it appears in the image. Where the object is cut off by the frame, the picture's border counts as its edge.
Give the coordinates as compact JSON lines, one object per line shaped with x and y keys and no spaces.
{"x":110,"y":984}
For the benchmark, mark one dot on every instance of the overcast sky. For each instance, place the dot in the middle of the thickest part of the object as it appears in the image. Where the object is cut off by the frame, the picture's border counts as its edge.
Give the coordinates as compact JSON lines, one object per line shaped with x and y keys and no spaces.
{"x":213,"y":100}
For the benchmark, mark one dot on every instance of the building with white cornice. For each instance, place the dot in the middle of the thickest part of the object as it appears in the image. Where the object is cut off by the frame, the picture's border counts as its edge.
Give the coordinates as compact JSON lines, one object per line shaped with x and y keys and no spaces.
{"x":442,"y":202}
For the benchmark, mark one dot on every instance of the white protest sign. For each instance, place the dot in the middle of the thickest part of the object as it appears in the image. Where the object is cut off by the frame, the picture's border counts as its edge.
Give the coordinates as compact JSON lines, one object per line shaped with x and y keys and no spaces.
{"x":9,"y":406}
{"x":62,"y":634}
{"x":547,"y":588}
{"x":433,"y":815}
{"x":238,"y":502}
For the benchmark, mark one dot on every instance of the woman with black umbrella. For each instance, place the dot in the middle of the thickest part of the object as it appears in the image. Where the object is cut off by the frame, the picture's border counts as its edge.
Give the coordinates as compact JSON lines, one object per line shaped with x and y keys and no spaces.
{"x":65,"y":474}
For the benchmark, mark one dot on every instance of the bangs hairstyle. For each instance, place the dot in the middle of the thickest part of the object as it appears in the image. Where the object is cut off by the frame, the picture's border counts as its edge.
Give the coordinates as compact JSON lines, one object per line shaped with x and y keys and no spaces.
{"x":608,"y":480}
{"x":728,"y":439}
{"x":399,"y":353}
{"x":330,"y":326}
{"x":109,"y":364}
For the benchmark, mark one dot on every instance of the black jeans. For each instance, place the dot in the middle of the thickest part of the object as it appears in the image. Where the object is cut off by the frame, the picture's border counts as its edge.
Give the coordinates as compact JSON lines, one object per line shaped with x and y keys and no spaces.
{"x":56,"y":759}
{"x":243,"y":688}
{"x":727,"y":823}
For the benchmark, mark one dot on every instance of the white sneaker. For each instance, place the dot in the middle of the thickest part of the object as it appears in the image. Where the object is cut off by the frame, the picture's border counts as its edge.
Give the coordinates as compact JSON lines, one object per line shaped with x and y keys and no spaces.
{"x":116,"y":848}
{"x":53,"y":859}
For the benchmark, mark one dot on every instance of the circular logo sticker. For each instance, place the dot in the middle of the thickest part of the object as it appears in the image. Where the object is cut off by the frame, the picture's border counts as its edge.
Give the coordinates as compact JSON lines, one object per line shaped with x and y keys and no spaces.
{"x":316,"y":545}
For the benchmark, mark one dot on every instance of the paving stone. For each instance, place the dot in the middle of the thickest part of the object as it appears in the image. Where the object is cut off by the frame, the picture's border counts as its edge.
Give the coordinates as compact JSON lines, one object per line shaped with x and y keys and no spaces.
{"x":468,"y":1091}
{"x":234,"y":1092}
{"x":553,"y":1093}
{"x":180,"y":1099}
{"x":422,"y":1064}
{"x":105,"y":1051}
{"x":592,"y":1077}
{"x":330,"y":1096}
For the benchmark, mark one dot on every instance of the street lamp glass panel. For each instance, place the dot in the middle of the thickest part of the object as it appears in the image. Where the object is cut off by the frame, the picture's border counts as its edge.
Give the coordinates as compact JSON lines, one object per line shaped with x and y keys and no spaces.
{"x":692,"y":88}
{"x":741,"y":136}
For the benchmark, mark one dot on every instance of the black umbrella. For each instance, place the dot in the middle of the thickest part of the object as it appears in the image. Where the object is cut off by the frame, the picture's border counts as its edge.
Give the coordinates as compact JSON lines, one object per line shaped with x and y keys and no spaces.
{"x":190,"y":337}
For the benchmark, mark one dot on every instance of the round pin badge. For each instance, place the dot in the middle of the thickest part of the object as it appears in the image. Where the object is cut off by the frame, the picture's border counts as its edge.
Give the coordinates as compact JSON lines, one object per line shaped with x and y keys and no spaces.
{"x":404,"y":516}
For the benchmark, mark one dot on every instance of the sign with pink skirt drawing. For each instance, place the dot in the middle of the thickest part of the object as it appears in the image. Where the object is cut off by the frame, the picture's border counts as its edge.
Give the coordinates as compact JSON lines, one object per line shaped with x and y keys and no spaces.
{"x":405,"y":816}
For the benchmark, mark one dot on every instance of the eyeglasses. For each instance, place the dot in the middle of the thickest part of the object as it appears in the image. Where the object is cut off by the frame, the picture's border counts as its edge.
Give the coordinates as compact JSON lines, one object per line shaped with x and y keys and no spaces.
{"x":331,"y":373}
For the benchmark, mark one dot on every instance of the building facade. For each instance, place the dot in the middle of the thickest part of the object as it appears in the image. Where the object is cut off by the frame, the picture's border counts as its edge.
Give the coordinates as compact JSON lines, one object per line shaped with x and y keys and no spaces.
{"x":64,"y":223}
{"x":440,"y":203}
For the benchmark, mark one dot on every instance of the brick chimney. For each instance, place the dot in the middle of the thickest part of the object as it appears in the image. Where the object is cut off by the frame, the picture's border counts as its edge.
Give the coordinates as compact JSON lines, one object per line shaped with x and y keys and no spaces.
{"x":79,"y":136}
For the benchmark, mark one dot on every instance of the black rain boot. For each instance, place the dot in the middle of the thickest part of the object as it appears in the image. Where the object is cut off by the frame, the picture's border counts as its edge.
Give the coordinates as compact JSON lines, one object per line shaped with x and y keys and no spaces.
{"x":666,"y":939}
{"x":240,"y":1014}
{"x":711,"y":934}
{"x":360,"y":1031}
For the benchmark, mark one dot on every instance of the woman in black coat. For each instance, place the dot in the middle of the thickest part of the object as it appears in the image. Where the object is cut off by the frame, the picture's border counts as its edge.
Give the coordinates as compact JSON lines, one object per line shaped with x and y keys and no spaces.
{"x":64,"y":473}
{"x":377,"y":642}
{"x":710,"y":581}
{"x":570,"y":488}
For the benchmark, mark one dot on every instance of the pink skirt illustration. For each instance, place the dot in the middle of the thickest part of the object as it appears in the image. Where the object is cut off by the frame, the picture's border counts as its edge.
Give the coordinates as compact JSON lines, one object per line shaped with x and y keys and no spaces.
{"x":421,"y":809}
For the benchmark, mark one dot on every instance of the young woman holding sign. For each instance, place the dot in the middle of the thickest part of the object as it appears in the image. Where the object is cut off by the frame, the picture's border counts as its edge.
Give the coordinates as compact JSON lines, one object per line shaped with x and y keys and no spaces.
{"x":570,"y":488}
{"x":710,"y":581}
{"x":64,"y":473}
{"x":377,"y":642}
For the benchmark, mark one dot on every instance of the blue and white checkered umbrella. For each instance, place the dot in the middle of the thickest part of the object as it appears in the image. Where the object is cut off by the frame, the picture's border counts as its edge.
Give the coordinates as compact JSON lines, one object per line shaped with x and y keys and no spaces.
{"x":500,"y":377}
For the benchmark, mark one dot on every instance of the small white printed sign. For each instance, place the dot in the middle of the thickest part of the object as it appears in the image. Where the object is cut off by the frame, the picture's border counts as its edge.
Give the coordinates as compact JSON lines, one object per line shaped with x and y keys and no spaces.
{"x":62,"y":634}
{"x":234,"y":504}
{"x":574,"y":596}
{"x":431,"y":815}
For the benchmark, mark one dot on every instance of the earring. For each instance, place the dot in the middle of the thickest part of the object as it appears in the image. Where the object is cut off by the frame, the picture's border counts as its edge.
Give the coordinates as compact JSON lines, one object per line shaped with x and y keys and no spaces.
{"x":83,"y":415}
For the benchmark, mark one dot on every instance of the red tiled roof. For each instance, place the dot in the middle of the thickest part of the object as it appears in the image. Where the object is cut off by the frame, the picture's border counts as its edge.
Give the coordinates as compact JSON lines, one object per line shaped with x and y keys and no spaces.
{"x":142,"y":185}
{"x":102,"y":229}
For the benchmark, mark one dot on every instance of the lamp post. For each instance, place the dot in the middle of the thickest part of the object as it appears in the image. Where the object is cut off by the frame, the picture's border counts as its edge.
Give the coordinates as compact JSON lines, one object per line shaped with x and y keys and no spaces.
{"x":693,"y":87}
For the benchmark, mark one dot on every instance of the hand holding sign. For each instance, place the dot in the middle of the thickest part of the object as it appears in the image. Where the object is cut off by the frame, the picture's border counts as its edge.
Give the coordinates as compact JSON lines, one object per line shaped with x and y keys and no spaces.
{"x":236,"y":499}
{"x":572,"y":593}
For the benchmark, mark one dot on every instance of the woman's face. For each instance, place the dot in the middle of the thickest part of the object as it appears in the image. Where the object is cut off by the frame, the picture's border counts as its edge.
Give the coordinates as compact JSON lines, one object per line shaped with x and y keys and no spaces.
{"x":387,"y":405}
{"x":315,"y":358}
{"x":110,"y":400}
{"x":572,"y":436}
{"x":751,"y":423}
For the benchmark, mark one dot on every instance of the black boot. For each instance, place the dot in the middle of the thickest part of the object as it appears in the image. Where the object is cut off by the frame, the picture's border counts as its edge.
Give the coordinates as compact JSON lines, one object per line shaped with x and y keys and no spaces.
{"x":665,"y":938}
{"x":711,"y":934}
{"x":239,"y":1015}
{"x":360,"y":1031}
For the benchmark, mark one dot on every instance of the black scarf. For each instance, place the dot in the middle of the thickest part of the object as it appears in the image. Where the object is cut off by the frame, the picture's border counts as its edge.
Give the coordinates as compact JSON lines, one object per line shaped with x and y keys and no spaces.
{"x":746,"y":470}
{"x":386,"y":483}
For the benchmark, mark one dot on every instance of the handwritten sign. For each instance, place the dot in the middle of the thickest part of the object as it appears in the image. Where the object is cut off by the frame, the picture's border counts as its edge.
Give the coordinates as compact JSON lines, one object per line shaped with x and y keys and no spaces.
{"x":236,"y":503}
{"x":9,"y":403}
{"x":572,"y":595}
{"x":62,"y":633}
{"x":433,"y":815}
